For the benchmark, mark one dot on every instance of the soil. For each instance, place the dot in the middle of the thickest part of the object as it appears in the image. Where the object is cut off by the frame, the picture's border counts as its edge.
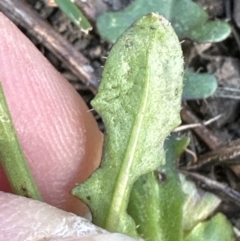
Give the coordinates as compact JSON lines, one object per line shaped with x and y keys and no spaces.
{"x":221,"y":59}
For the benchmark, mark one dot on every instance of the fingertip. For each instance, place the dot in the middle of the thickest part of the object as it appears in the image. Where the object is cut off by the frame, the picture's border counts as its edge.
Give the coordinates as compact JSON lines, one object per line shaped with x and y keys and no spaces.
{"x":58,"y":134}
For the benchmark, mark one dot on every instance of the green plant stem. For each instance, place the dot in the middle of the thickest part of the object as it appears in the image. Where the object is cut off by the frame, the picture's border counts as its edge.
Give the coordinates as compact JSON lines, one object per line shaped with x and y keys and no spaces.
{"x":12,"y":157}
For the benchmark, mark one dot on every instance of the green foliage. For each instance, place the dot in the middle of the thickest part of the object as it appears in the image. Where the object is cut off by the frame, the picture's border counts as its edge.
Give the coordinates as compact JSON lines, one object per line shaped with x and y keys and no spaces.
{"x":11,"y":156}
{"x":156,"y":201}
{"x":139,"y":100}
{"x":166,"y":209}
{"x":187,"y":18}
{"x":198,"y":206}
{"x":140,"y":93}
{"x":189,"y":21}
{"x":217,"y":228}
{"x":73,"y":12}
{"x":198,"y":86}
{"x":197,"y":209}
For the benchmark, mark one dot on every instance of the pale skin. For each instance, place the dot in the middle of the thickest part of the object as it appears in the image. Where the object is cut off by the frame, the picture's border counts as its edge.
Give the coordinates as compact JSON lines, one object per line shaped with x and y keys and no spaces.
{"x":59,"y":137}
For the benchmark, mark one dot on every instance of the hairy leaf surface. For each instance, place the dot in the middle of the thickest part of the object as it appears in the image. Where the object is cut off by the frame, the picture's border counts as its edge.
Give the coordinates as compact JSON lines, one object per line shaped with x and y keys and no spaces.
{"x":139,"y":101}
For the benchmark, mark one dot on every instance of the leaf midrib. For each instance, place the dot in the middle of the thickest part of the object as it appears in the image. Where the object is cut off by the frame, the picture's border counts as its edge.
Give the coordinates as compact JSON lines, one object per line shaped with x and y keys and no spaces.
{"x":118,"y":203}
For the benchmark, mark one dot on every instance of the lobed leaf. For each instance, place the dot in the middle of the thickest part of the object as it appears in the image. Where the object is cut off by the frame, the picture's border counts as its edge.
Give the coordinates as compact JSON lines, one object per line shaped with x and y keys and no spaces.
{"x":188,"y":19}
{"x":139,"y":100}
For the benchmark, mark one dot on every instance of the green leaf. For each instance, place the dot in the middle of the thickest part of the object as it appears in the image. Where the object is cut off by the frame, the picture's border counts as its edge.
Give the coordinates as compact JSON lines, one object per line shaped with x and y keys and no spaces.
{"x":198,"y":206}
{"x":217,"y":228}
{"x":11,"y":156}
{"x":188,"y":19}
{"x":198,"y":86}
{"x":156,"y":201}
{"x":139,"y":101}
{"x":74,"y":13}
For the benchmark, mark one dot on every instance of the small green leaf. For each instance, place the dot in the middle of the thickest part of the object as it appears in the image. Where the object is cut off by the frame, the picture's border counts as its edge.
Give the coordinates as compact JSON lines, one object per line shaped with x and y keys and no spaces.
{"x":198,"y":86}
{"x":74,"y":13}
{"x":198,"y":206}
{"x":217,"y":228}
{"x":156,"y":201}
{"x":188,"y":19}
{"x":139,"y":101}
{"x":11,"y":156}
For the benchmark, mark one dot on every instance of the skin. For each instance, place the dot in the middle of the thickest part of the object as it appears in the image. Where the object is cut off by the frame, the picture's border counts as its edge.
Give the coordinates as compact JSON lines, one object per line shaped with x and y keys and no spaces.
{"x":58,"y":134}
{"x":60,"y":140}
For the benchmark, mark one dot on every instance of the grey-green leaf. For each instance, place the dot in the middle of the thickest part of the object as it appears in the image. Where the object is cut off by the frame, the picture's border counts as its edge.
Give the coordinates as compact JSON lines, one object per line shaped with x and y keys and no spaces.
{"x":188,"y":19}
{"x":198,"y":86}
{"x":139,"y":100}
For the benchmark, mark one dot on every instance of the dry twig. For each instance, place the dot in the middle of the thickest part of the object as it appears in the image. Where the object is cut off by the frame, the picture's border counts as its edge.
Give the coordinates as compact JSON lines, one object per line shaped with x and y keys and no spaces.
{"x":203,"y":132}
{"x":20,"y":13}
{"x":226,"y":193}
